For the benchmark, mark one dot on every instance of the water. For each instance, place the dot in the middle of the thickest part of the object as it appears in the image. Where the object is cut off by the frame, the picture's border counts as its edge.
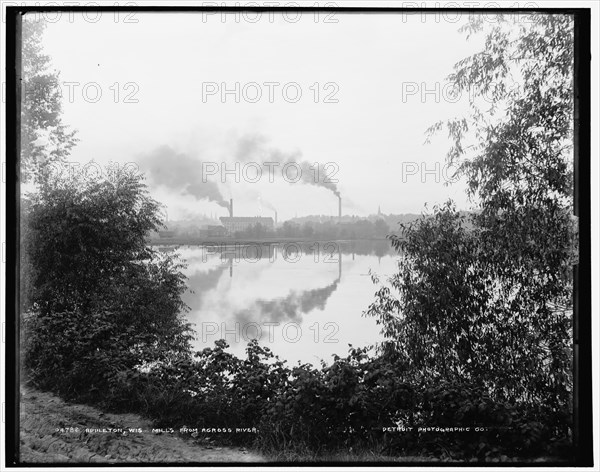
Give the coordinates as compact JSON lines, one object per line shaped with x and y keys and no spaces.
{"x":303,"y":301}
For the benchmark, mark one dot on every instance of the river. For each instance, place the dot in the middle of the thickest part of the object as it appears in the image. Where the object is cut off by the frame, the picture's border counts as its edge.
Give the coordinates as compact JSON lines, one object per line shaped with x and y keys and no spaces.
{"x":302,"y":300}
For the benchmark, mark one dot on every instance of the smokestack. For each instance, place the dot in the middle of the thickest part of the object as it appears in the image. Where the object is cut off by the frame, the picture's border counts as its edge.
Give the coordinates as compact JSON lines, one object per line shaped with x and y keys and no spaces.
{"x":275,"y":217}
{"x":231,"y":208}
{"x":340,"y":207}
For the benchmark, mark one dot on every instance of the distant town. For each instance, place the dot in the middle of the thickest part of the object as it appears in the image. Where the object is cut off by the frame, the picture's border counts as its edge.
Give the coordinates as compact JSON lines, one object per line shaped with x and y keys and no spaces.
{"x":312,"y":227}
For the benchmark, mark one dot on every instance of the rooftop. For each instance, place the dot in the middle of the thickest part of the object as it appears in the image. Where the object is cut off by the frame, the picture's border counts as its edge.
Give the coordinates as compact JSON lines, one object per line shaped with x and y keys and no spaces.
{"x":245,"y":219}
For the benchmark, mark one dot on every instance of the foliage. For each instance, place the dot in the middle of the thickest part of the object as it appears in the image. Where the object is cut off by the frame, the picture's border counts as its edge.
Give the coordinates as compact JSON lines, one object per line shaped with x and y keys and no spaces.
{"x":338,"y":406}
{"x":491,"y":305}
{"x":211,"y":389}
{"x":328,"y":229}
{"x":99,"y":301}
{"x":352,"y":404}
{"x":45,"y":140}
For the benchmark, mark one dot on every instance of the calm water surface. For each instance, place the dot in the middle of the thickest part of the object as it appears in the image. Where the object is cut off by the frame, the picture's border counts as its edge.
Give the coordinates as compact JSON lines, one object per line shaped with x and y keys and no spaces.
{"x":302,"y":300}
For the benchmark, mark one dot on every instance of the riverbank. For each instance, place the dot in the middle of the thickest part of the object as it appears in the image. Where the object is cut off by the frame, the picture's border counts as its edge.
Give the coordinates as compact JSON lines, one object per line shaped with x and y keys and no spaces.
{"x":54,"y":431}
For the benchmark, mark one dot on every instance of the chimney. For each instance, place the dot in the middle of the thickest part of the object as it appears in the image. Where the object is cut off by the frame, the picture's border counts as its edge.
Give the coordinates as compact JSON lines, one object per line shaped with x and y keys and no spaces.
{"x":231,"y":208}
{"x":340,"y":207}
{"x":275,"y":217}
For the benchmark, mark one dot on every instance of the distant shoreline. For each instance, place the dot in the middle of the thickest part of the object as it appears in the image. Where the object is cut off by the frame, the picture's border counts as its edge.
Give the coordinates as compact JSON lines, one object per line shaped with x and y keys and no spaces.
{"x":232,"y":241}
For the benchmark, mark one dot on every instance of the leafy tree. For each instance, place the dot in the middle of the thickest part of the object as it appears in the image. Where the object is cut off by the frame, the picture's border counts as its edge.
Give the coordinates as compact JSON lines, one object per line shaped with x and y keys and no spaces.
{"x":519,"y":172}
{"x":45,"y":139}
{"x":100,"y":302}
{"x":489,"y":299}
{"x":381,"y":227}
{"x":308,"y":230}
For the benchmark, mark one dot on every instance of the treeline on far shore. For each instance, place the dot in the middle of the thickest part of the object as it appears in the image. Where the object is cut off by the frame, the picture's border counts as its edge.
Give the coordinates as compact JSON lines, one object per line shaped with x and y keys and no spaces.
{"x":304,"y":229}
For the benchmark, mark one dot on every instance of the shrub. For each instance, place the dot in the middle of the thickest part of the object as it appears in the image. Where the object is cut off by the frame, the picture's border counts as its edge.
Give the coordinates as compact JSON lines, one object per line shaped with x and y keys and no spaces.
{"x":99,"y":303}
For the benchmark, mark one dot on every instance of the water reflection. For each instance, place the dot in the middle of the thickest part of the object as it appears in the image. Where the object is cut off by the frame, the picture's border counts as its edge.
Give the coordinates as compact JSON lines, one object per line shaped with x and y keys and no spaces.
{"x":289,"y":308}
{"x":304,"y":300}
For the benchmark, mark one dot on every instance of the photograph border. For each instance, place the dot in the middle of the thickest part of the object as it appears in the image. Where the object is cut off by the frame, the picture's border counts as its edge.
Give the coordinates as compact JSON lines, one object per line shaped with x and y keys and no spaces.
{"x":582,"y":327}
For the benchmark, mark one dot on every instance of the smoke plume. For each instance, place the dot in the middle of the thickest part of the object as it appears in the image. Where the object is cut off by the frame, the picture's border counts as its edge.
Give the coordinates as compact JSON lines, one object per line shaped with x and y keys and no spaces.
{"x":180,"y":173}
{"x":254,"y":148}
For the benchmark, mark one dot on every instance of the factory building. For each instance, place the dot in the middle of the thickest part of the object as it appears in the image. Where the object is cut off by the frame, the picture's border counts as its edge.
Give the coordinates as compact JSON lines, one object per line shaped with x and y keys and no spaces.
{"x":215,"y":231}
{"x":234,"y":224}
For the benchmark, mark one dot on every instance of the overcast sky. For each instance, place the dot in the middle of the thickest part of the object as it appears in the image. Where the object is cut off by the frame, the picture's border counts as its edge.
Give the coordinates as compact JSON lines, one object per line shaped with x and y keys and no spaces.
{"x":166,"y":74}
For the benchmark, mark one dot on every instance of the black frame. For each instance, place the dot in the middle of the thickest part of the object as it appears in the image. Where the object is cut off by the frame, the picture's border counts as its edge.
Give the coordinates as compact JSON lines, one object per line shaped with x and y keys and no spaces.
{"x":582,"y":312}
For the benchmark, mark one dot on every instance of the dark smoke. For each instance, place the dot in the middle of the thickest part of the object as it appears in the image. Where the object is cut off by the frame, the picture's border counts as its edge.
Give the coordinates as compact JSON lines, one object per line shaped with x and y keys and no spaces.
{"x":250,"y":147}
{"x":254,"y":148}
{"x":289,"y":308}
{"x":180,"y":173}
{"x":309,"y":176}
{"x":201,"y":283}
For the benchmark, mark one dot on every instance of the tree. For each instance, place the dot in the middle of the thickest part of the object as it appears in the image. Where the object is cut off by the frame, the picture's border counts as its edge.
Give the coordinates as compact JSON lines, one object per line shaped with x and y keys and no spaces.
{"x":520,"y":173}
{"x":45,"y":140}
{"x":101,"y":304}
{"x":381,"y":227}
{"x":492,"y":304}
{"x":308,"y":230}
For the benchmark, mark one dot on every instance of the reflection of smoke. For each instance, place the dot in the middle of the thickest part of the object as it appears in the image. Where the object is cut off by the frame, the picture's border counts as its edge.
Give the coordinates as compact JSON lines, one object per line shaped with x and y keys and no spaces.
{"x":200,"y":283}
{"x":288,"y":308}
{"x":254,"y":147}
{"x":180,"y":172}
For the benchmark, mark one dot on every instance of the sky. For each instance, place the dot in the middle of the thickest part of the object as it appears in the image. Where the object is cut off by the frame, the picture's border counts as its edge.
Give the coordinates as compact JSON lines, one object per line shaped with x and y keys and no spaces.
{"x":354,"y":96}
